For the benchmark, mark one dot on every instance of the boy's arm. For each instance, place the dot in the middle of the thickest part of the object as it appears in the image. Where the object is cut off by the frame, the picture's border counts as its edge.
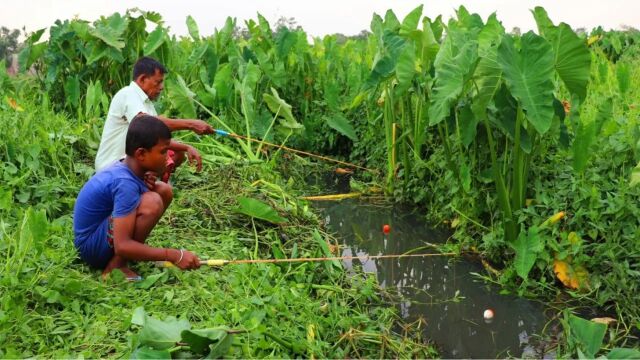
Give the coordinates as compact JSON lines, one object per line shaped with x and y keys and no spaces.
{"x":124,"y":245}
{"x":192,"y":153}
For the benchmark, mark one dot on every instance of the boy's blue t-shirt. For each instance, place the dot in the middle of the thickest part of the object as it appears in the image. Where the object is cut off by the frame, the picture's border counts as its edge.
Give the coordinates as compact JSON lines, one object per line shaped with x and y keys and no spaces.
{"x":115,"y":191}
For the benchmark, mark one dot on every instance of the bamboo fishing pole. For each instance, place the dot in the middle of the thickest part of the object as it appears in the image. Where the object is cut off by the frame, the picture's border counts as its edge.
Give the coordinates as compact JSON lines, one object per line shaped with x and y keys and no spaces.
{"x":226,"y":133}
{"x":221,"y":262}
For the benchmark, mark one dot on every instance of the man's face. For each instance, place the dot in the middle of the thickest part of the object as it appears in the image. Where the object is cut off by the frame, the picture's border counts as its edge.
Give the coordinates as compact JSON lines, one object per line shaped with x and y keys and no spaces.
{"x":154,"y":159}
{"x":152,"y":85}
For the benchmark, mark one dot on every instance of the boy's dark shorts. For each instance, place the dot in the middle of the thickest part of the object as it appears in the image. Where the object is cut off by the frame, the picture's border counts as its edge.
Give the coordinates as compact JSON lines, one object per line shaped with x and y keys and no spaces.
{"x":97,"y":249}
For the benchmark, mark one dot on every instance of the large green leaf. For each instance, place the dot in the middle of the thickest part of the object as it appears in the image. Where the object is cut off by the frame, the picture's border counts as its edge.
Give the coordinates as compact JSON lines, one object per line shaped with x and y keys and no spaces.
{"x":488,"y":75}
{"x":621,"y":353}
{"x":158,"y":334}
{"x":111,"y":30}
{"x":145,"y":352}
{"x":406,"y":69}
{"x":199,"y":340}
{"x":528,"y":72}
{"x":623,"y":76}
{"x":192,"y":26}
{"x":181,"y":97}
{"x":454,"y":64}
{"x":338,"y":122}
{"x":588,"y":335}
{"x":571,"y":55}
{"x":587,"y":132}
{"x":280,"y":107}
{"x":527,"y":247}
{"x":410,"y":22}
{"x":259,"y":210}
{"x":154,"y":40}
{"x":222,"y":81}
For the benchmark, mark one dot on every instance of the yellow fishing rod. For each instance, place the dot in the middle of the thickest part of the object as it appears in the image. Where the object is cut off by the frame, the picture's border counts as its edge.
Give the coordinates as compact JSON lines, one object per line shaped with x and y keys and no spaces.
{"x":226,"y":133}
{"x":221,"y":262}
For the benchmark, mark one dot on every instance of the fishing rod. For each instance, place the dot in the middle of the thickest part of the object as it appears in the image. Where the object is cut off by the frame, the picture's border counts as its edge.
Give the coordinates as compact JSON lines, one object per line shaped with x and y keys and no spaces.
{"x":222,"y":262}
{"x":226,"y":133}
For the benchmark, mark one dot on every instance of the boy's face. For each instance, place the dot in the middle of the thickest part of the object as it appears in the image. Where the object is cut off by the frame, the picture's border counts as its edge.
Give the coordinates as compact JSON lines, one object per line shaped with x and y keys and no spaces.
{"x":154,"y":159}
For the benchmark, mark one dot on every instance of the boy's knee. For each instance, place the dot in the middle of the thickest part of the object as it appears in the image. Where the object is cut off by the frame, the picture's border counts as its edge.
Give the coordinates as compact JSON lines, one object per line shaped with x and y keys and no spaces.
{"x":165,"y":191}
{"x":152,"y":204}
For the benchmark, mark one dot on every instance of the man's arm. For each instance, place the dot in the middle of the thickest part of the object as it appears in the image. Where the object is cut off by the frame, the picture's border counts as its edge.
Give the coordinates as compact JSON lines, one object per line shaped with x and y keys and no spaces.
{"x":124,"y":245}
{"x":197,"y":126}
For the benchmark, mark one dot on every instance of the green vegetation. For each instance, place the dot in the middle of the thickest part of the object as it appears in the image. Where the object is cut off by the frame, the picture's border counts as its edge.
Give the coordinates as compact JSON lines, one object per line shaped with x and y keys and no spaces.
{"x":527,"y":145}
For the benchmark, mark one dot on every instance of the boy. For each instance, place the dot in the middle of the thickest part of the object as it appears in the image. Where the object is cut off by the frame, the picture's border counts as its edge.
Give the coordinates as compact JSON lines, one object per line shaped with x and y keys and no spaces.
{"x":117,"y":208}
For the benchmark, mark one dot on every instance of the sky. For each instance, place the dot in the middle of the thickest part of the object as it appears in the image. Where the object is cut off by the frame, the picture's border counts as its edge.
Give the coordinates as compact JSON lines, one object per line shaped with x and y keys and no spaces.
{"x":322,"y":17}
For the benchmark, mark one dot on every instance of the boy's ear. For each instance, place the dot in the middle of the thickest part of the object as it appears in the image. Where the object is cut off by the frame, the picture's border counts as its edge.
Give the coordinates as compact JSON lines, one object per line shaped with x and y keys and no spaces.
{"x":140,"y":152}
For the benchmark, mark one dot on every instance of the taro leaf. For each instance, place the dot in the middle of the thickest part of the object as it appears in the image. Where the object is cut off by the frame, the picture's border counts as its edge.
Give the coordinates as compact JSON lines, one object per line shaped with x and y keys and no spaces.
{"x":259,"y":210}
{"x":571,"y":55}
{"x":219,"y":349}
{"x":222,"y":81}
{"x":280,"y":107}
{"x":72,"y":91}
{"x":154,"y":40}
{"x":160,"y":334}
{"x":542,"y":20}
{"x":196,"y":55}
{"x":488,"y":74}
{"x":571,"y":276}
{"x":527,"y":247}
{"x":454,"y":63}
{"x":145,"y":352}
{"x":621,"y":353}
{"x":339,"y":123}
{"x":110,"y":30}
{"x":406,"y":68}
{"x":410,"y":22}
{"x":182,"y":97}
{"x":468,"y":125}
{"x":193,"y":28}
{"x":587,"y":334}
{"x":528,"y":73}
{"x":587,"y":133}
{"x":623,"y":75}
{"x":199,"y":340}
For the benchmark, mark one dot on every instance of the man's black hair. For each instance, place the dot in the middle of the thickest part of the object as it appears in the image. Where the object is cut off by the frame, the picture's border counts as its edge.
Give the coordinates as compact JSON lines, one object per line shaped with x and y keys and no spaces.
{"x":145,"y":131}
{"x":147,"y":66}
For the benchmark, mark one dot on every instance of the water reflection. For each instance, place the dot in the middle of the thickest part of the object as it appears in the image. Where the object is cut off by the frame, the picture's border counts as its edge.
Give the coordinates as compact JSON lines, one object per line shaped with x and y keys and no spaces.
{"x":440,"y":290}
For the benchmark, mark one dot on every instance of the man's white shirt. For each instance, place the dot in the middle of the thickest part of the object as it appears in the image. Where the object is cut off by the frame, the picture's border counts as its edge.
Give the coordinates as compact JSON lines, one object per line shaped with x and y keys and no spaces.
{"x":125,"y":105}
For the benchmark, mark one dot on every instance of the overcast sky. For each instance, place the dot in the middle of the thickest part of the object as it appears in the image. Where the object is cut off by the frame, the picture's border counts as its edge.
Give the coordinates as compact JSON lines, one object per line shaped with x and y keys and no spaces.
{"x":320,"y":17}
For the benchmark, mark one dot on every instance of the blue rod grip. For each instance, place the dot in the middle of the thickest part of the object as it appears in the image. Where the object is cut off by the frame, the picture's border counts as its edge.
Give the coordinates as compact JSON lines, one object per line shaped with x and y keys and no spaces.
{"x":222,"y":132}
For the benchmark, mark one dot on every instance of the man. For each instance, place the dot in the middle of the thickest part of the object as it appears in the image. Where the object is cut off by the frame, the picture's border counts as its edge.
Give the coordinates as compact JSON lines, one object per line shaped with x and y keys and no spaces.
{"x":116,"y":209}
{"x":135,"y":99}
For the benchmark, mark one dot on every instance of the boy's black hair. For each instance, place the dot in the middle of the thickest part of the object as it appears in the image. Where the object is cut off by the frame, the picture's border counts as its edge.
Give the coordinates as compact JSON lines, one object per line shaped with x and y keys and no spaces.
{"x":147,"y":66}
{"x":145,"y":131}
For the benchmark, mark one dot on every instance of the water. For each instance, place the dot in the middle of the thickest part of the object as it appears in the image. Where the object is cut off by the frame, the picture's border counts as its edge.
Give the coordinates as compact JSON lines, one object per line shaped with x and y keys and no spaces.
{"x":440,"y":290}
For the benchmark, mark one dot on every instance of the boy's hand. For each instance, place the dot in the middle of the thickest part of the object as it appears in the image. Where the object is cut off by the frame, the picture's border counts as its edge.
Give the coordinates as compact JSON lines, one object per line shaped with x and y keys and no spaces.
{"x":150,"y":178}
{"x":189,"y":260}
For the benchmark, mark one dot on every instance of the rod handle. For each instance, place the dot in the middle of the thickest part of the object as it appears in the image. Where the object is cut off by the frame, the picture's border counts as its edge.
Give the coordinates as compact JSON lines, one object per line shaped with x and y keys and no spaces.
{"x":210,"y":262}
{"x":221,"y":132}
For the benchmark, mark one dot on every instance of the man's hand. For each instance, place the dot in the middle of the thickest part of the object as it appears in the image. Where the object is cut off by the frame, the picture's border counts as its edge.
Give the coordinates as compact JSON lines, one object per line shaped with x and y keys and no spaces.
{"x":189,"y":260}
{"x":150,"y":178}
{"x":201,"y":128}
{"x":194,"y":155}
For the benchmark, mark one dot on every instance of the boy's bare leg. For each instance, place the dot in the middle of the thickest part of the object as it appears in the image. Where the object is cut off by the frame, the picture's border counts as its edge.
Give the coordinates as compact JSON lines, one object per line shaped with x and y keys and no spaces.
{"x":152,"y":206}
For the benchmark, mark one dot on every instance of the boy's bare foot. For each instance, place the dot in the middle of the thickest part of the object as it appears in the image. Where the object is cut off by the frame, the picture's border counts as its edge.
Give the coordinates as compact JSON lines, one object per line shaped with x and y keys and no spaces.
{"x":120,"y":264}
